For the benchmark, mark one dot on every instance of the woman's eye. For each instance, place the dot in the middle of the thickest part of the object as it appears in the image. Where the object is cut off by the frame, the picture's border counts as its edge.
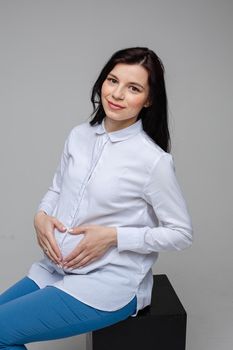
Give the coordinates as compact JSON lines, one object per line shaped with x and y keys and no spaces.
{"x":134,"y":89}
{"x":112,"y":80}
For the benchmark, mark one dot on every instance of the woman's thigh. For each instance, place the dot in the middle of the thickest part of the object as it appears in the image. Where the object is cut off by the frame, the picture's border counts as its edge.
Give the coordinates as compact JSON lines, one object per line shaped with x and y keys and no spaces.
{"x":22,"y":287}
{"x":50,"y":313}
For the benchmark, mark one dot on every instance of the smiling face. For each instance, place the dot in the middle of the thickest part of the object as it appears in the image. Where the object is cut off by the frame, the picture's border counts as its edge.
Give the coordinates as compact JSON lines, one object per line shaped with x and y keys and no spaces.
{"x":124,"y":93}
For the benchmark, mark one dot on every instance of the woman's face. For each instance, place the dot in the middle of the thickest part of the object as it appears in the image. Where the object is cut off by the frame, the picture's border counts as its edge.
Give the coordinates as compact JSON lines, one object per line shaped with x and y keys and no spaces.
{"x":124,"y":93}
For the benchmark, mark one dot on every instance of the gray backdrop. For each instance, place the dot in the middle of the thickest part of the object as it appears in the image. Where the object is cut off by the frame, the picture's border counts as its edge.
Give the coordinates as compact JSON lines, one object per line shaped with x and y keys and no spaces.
{"x":51,"y":53}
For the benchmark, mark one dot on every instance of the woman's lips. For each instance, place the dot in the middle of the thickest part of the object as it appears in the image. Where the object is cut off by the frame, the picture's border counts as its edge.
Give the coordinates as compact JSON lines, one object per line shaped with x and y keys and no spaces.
{"x":114,"y":106}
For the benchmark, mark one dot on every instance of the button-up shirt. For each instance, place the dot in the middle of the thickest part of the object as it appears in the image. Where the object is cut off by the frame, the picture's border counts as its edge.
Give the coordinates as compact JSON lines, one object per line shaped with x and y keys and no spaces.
{"x":120,"y":179}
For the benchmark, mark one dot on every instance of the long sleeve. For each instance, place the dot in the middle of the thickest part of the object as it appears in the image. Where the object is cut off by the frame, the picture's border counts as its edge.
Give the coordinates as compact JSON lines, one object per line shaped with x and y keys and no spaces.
{"x":163,"y":193}
{"x":48,"y":202}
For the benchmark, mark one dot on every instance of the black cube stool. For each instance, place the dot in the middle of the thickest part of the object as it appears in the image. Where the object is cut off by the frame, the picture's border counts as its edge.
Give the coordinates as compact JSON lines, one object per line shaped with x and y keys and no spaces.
{"x":160,"y":326}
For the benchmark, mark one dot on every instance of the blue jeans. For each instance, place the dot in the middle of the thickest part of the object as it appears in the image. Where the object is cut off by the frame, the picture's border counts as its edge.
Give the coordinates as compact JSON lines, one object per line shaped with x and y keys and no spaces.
{"x":29,"y":314}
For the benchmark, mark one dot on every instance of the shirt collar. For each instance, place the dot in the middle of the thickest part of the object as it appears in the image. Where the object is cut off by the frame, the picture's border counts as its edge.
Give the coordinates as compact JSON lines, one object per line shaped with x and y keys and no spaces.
{"x":122,"y":134}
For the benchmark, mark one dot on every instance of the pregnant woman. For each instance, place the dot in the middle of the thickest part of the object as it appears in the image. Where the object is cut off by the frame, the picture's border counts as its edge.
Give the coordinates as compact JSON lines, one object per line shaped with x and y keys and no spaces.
{"x":113,"y":205}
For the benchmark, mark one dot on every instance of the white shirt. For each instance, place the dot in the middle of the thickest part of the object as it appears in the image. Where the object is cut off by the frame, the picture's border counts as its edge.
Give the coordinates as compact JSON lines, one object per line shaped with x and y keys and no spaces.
{"x":118,"y":179}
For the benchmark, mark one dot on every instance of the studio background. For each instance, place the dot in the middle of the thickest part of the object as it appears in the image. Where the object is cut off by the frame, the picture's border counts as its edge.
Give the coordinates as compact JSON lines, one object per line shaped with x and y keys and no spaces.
{"x":51,"y":54}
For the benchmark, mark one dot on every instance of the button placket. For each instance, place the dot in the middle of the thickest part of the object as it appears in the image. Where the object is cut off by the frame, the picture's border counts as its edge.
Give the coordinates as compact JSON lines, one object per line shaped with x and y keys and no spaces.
{"x":98,"y":151}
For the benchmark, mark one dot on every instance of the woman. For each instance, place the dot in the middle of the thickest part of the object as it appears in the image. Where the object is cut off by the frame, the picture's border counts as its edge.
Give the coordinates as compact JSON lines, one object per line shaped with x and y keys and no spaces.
{"x":113,"y":205}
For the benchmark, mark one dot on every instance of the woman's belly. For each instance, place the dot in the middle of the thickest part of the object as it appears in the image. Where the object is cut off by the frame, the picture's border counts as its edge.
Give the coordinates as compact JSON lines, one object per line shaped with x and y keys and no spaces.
{"x":67,"y":242}
{"x":124,"y":261}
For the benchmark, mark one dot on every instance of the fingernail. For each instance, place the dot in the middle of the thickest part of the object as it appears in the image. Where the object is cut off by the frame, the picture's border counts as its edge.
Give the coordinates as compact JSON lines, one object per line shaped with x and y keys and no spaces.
{"x":70,"y":230}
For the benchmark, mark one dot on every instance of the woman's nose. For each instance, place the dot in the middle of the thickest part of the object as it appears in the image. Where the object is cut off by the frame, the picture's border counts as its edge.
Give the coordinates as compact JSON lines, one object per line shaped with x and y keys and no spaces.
{"x":118,"y":93}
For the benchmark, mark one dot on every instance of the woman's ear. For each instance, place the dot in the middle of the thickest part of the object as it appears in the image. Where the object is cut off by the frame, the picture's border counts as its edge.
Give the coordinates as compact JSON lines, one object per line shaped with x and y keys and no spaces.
{"x":147,"y":104}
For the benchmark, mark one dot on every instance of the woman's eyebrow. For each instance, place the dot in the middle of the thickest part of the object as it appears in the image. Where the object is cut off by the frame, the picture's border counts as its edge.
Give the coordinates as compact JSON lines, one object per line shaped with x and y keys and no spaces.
{"x":133,"y":83}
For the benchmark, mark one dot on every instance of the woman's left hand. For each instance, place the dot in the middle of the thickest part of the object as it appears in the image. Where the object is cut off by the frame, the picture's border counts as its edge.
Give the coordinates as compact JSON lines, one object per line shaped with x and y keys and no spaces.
{"x":96,"y":241}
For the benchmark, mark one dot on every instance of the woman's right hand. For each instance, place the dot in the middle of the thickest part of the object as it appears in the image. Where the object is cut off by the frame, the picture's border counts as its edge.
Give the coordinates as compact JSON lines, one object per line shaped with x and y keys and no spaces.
{"x":44,"y":225}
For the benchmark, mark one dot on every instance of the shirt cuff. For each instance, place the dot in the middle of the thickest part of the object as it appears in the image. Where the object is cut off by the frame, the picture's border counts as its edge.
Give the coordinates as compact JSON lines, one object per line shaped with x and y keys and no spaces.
{"x":129,"y":238}
{"x":46,"y":208}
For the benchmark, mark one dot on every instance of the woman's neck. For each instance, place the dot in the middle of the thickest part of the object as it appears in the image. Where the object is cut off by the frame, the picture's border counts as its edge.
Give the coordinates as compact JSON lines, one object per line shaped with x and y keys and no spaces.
{"x":115,"y":125}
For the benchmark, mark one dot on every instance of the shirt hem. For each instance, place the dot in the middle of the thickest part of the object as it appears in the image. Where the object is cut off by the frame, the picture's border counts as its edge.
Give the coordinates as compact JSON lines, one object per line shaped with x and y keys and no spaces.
{"x":91,"y":304}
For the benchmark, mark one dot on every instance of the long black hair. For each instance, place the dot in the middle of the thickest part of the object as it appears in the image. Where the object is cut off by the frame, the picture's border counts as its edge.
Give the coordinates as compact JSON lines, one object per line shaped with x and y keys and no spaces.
{"x":155,"y":117}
